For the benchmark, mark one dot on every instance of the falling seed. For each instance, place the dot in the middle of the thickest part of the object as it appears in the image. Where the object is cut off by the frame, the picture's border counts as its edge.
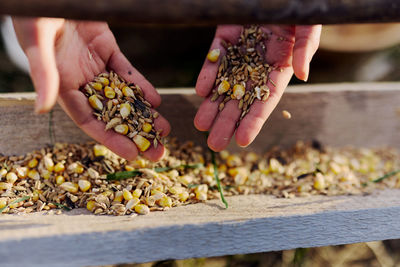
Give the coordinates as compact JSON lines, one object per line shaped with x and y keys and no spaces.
{"x":286,"y":114}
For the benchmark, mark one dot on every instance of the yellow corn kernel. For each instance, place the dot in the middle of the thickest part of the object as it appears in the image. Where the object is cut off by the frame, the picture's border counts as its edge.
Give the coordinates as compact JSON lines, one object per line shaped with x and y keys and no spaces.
{"x":142,"y":209}
{"x":319,"y":182}
{"x":201,"y":159}
{"x":96,"y":86}
{"x":238,"y":91}
{"x":240,"y":178}
{"x":125,"y":110}
{"x":209,"y":169}
{"x":109,"y":92}
{"x":222,"y":168}
{"x":121,"y":129}
{"x":11,"y":177}
{"x":33,"y":163}
{"x":15,"y":205}
{"x":59,"y":167}
{"x":223,"y":87}
{"x":224,"y":154}
{"x":157,"y":188}
{"x":34,"y":174}
{"x":213,"y":55}
{"x":129,"y":168}
{"x":35,"y":195}
{"x":127,"y":91}
{"x":137,"y":192}
{"x":95,"y":102}
{"x":201,"y":192}
{"x":90,"y":205}
{"x":3,"y":203}
{"x":132,"y":203}
{"x":335,"y":168}
{"x":176,"y":190}
{"x":185,"y":179}
{"x":118,"y":197}
{"x":100,"y":150}
{"x":48,"y":163}
{"x":140,"y":163}
{"x":127,"y":195}
{"x":275,"y":166}
{"x":84,"y":185}
{"x":183,"y":196}
{"x":3,"y":172}
{"x":46,"y":174}
{"x":5,"y":186}
{"x":103,"y":80}
{"x":233,"y":160}
{"x":70,"y":187}
{"x":142,"y":143}
{"x":165,"y":201}
{"x":22,"y":172}
{"x":60,"y":180}
{"x":147,"y":127}
{"x":76,"y":167}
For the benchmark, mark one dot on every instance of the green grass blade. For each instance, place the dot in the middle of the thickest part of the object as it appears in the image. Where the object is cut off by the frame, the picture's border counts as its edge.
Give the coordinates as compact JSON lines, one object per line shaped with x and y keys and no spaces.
{"x":15,"y":201}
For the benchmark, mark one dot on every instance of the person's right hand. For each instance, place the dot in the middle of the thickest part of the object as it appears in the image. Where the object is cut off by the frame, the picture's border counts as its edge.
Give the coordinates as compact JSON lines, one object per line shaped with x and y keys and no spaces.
{"x":64,"y":55}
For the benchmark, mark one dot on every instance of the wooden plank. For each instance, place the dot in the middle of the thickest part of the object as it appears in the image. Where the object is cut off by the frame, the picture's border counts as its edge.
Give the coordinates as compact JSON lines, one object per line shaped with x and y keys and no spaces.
{"x":338,"y":114}
{"x":211,"y":11}
{"x":251,"y":224}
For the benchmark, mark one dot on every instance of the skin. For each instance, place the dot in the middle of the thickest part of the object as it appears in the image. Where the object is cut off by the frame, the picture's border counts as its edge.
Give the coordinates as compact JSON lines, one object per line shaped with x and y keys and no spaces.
{"x":289,"y":48}
{"x":64,"y":55}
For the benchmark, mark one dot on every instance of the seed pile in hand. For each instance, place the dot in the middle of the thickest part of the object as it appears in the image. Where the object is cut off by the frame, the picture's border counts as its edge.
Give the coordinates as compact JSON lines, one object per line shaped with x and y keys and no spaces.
{"x":122,"y":107}
{"x":243,"y":73}
{"x":90,"y":176}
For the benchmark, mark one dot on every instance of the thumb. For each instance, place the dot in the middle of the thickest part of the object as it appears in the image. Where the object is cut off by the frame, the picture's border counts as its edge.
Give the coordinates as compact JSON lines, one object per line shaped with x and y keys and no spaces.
{"x":37,"y":39}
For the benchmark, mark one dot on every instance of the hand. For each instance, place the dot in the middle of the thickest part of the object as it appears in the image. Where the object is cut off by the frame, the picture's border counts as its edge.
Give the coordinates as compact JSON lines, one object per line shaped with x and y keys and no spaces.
{"x":289,"y":48}
{"x":64,"y":55}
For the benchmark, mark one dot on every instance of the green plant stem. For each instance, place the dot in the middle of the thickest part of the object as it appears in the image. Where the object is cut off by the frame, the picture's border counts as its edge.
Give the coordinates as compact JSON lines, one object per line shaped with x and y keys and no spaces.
{"x":217,"y":178}
{"x":15,"y":201}
{"x":131,"y":174}
{"x":380,"y":179}
{"x":61,"y":206}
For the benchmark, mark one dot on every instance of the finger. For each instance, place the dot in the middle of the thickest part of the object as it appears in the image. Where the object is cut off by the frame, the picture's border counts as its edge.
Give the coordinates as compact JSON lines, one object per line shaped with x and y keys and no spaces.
{"x":120,"y":64}
{"x":206,"y":114}
{"x":208,"y":73}
{"x":77,"y":107}
{"x":306,"y":44}
{"x":37,"y":38}
{"x":252,"y":123}
{"x":161,"y":124}
{"x":224,"y":126}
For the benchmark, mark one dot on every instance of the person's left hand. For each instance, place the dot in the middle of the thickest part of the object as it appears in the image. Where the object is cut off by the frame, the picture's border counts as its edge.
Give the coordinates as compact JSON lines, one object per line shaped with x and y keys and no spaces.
{"x":289,"y":49}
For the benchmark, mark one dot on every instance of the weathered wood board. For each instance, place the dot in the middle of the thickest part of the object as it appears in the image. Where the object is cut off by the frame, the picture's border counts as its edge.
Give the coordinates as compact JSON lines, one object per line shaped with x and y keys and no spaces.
{"x":340,"y":114}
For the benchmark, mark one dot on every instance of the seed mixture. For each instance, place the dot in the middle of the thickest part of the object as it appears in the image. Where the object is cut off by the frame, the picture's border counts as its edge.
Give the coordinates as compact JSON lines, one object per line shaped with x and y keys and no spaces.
{"x":90,"y":176}
{"x":122,"y":107}
{"x":243,"y":73}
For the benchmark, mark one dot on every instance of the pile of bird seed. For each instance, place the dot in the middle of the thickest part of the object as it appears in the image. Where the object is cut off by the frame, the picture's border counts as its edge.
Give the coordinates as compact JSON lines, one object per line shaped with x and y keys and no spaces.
{"x":122,"y":107}
{"x":90,"y":176}
{"x":243,"y":73}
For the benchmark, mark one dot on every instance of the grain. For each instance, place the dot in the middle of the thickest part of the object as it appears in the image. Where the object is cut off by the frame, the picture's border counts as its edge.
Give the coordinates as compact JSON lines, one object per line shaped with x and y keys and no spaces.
{"x":121,"y":106}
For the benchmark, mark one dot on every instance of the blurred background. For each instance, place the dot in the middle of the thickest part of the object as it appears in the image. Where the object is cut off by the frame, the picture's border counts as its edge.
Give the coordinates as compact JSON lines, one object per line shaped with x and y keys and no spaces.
{"x":173,"y":56}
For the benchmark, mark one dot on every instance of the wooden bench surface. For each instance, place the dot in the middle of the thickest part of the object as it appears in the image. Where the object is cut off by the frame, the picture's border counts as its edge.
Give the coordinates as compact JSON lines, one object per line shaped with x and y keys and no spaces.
{"x":335,"y":114}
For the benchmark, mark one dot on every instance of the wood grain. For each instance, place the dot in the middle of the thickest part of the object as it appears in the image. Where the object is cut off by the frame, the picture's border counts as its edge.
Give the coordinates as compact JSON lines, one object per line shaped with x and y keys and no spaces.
{"x":211,"y":11}
{"x":336,"y":114}
{"x":251,"y":224}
